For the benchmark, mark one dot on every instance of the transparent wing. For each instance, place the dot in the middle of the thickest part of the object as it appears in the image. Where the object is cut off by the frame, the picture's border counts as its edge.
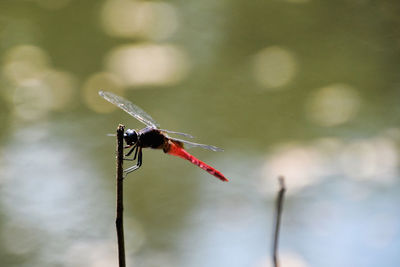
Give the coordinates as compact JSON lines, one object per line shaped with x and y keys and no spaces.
{"x":129,"y":108}
{"x":191,"y":144}
{"x":178,"y":133}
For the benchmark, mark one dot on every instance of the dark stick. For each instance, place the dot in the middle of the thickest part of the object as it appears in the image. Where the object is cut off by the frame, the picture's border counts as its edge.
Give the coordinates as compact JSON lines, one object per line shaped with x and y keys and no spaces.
{"x":119,"y":222}
{"x":278,"y":213}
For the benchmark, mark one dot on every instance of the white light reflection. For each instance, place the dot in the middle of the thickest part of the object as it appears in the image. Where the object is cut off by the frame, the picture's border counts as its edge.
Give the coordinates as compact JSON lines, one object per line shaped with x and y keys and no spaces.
{"x":50,"y":195}
{"x":92,"y":254}
{"x":274,"y":67}
{"x":151,"y":20}
{"x":371,"y":159}
{"x":333,"y":105}
{"x":292,"y":259}
{"x":301,"y":166}
{"x":227,"y":224}
{"x":230,"y":225}
{"x":287,"y":259}
{"x":148,"y":64}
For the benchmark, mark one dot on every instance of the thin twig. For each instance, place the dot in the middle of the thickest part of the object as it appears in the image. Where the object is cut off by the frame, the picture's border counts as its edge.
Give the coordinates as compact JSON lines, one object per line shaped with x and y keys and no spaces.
{"x":278,"y":213}
{"x":119,"y":222}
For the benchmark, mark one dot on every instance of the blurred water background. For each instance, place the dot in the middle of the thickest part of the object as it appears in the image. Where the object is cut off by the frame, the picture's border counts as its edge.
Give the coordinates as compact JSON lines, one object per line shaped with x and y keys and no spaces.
{"x":302,"y":88}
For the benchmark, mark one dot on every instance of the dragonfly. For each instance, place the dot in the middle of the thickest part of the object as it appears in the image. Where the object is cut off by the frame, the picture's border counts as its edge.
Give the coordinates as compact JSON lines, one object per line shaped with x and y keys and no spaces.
{"x":153,"y":137}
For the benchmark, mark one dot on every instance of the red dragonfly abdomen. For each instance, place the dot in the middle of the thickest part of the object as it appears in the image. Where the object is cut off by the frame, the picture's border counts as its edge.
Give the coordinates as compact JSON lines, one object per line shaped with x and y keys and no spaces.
{"x":177,"y":150}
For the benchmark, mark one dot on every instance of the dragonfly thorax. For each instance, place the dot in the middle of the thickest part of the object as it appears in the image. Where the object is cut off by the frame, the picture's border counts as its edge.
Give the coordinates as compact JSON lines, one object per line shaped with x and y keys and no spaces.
{"x":131,"y":137}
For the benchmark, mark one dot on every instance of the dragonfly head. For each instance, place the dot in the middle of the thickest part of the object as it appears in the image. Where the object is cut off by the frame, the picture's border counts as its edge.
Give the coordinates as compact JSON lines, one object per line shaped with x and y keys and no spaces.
{"x":130,"y":137}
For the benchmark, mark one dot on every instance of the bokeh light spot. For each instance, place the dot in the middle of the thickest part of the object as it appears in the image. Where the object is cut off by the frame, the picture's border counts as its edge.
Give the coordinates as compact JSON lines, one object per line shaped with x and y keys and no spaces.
{"x":95,"y":83}
{"x":151,"y":20}
{"x":24,"y":62}
{"x":148,"y":64}
{"x":34,"y":86}
{"x":333,"y":105}
{"x":300,"y":165}
{"x":32,"y":101}
{"x":274,"y":67}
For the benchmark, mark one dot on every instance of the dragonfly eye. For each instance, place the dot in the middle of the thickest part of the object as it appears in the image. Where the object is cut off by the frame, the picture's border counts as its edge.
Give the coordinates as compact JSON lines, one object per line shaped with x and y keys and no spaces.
{"x":130,"y":137}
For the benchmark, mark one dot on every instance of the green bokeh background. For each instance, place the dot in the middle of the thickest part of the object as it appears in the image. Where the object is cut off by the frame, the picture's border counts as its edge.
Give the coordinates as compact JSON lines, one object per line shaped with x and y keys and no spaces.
{"x":340,"y":156}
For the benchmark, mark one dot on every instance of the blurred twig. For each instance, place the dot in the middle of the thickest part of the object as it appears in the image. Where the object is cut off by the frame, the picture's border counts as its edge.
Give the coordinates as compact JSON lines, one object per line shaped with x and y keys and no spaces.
{"x":278,"y":213}
{"x":119,"y":222}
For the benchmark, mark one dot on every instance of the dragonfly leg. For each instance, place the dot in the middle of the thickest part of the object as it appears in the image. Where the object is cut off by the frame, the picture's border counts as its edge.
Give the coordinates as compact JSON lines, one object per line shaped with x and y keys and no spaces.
{"x":130,"y":151}
{"x":135,"y":148}
{"x":138,"y":164}
{"x":136,"y":152}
